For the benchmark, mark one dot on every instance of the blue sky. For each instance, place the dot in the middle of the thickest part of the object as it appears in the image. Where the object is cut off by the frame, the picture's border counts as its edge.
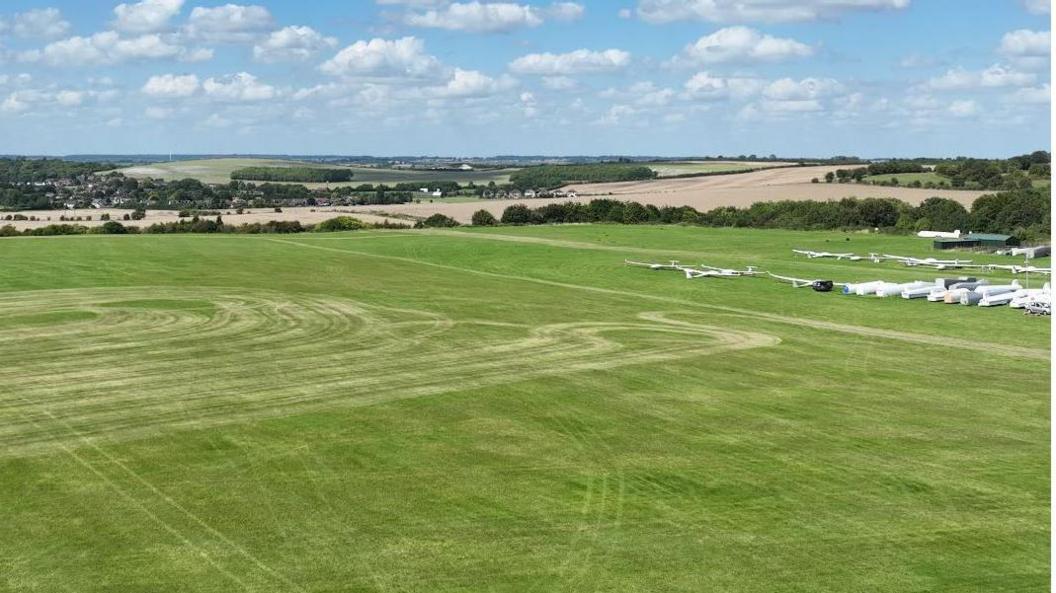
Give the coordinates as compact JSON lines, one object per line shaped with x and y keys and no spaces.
{"x":478,"y":78}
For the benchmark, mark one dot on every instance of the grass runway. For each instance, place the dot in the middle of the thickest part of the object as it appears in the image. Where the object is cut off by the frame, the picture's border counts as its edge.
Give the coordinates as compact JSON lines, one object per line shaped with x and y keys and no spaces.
{"x":508,"y":410}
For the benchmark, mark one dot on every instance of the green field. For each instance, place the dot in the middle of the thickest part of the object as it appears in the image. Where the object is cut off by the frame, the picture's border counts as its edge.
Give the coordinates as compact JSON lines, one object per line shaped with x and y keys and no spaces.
{"x":219,"y":171}
{"x":509,"y":410}
{"x":908,"y":178}
{"x":675,"y":168}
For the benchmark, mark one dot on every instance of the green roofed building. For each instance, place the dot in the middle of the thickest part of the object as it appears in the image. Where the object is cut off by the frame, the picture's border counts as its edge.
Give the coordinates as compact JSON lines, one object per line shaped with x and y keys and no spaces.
{"x":973,"y":240}
{"x":992,"y":239}
{"x":961,"y":243}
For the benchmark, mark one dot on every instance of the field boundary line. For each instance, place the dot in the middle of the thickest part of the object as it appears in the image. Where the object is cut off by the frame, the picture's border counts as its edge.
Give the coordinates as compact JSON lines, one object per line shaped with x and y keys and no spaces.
{"x":928,"y":340}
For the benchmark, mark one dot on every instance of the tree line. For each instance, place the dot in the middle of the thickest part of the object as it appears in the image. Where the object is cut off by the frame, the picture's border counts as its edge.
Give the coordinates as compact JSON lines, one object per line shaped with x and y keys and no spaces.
{"x":1018,"y":172}
{"x":1025,"y":213}
{"x":552,"y":176}
{"x":301,"y":174}
{"x":23,"y":170}
{"x":198,"y":225}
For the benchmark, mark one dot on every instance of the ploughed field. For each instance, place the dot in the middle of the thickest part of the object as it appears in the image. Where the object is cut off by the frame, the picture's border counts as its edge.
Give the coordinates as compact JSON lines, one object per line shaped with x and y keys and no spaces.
{"x":508,"y":409}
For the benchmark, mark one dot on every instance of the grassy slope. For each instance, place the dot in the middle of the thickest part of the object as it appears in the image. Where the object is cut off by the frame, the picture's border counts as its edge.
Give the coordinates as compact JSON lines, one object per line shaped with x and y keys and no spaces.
{"x":219,"y":171}
{"x":831,"y":462}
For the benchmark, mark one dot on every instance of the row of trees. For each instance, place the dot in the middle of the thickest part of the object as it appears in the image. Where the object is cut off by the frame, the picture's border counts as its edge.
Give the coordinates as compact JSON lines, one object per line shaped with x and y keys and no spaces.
{"x":552,"y":176}
{"x":894,"y":167}
{"x":1001,"y":174}
{"x":199,"y":225}
{"x":1025,"y":213}
{"x":301,"y":174}
{"x":23,"y":170}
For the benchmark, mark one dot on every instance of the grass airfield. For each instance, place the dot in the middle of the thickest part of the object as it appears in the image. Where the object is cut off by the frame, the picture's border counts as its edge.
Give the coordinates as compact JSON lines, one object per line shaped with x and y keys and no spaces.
{"x":509,"y":409}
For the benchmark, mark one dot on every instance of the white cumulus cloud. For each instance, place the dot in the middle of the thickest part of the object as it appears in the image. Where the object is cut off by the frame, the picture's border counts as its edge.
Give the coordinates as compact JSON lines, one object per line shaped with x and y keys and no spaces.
{"x":566,"y":11}
{"x":1039,"y":95}
{"x":478,"y":17}
{"x":963,"y":108}
{"x":786,"y":89}
{"x":703,"y":85}
{"x":470,"y":83}
{"x":1025,"y":43}
{"x":741,"y":45}
{"x":383,"y":57}
{"x":1038,"y":6}
{"x":69,"y":98}
{"x":580,"y":61}
{"x":993,"y":77}
{"x":44,"y":23}
{"x":767,"y":11}
{"x":292,"y":43}
{"x":147,"y":16}
{"x":108,"y":47}
{"x":238,"y":87}
{"x":171,"y":86}
{"x":487,"y":17}
{"x":230,"y":23}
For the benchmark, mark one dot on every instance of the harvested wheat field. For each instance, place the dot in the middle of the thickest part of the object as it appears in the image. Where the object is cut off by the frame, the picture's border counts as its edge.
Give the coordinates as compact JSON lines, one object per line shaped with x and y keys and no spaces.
{"x":702,"y":193}
{"x":305,"y":215}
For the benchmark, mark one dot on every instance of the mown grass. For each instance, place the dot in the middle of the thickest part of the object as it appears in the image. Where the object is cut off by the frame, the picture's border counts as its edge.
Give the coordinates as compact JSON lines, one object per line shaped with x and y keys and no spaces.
{"x":832,"y":461}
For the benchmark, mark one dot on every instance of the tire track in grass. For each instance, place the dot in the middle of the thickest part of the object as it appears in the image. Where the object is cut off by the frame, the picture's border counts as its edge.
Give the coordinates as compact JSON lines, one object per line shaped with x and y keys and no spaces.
{"x":186,"y":512}
{"x":331,"y":352}
{"x":72,"y":453}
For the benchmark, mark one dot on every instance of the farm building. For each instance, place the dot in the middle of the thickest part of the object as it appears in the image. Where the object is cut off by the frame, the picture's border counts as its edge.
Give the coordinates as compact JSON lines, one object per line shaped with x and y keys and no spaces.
{"x":963,"y":243}
{"x":993,"y":240}
{"x":973,"y":240}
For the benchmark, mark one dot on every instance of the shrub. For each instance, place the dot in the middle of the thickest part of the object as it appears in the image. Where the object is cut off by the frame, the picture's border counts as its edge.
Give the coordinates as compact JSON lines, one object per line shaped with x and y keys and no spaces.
{"x":340,"y":223}
{"x":112,"y":227}
{"x":437,"y":221}
{"x":484,"y":218}
{"x":517,"y":214}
